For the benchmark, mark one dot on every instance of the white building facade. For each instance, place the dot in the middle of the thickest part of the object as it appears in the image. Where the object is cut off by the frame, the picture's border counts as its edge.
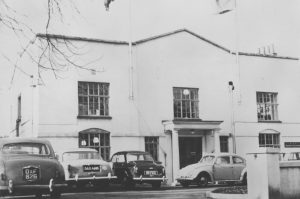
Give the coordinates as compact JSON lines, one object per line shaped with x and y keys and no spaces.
{"x":177,"y":96}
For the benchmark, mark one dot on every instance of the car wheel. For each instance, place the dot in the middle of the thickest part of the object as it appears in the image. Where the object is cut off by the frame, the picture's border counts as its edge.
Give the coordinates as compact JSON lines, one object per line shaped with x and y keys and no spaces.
{"x":156,"y":185}
{"x":127,"y":182}
{"x":185,"y":184}
{"x":202,"y":180}
{"x":55,"y":194}
{"x":102,"y":185}
{"x":38,"y":196}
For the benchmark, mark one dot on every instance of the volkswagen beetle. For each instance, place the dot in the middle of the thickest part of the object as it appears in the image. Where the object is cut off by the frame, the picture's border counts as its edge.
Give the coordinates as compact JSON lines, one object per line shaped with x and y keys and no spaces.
{"x":29,"y":165}
{"x":212,"y":168}
{"x":84,"y":166}
{"x":133,"y":167}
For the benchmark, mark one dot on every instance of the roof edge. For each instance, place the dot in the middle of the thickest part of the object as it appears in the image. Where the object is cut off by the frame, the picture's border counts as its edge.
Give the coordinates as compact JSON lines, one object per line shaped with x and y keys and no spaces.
{"x":63,"y":37}
{"x":40,"y":35}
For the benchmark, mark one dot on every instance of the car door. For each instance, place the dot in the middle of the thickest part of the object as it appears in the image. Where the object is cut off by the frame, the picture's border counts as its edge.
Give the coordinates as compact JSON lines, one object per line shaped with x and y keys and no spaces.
{"x":222,"y":169}
{"x":119,"y":164}
{"x":238,"y":165}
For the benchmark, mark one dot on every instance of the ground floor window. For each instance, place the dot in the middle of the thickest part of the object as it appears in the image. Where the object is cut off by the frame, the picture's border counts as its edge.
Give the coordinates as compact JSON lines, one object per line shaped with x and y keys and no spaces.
{"x":269,"y":140}
{"x":151,"y":146}
{"x":97,"y":139}
{"x":224,"y":144}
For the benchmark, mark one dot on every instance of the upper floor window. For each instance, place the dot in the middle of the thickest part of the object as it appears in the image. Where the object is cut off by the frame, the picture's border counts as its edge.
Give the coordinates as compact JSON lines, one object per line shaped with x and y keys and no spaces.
{"x":266,"y":106}
{"x":186,"y":103}
{"x":93,"y":99}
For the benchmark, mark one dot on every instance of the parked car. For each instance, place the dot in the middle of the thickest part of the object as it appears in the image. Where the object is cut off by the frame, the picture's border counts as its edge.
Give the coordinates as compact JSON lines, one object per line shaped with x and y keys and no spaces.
{"x":213,"y":168}
{"x":29,"y":165}
{"x":290,"y":156}
{"x":85,"y":166}
{"x":133,"y":167}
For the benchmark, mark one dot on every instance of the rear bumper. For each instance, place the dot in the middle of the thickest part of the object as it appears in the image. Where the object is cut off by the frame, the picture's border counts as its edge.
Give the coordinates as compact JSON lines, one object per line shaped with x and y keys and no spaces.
{"x":93,"y":178}
{"x":149,"y":179}
{"x":19,"y":188}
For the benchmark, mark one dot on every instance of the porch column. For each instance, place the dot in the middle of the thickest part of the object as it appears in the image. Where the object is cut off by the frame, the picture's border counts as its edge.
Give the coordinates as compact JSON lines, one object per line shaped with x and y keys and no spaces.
{"x":217,"y":140}
{"x":175,"y":155}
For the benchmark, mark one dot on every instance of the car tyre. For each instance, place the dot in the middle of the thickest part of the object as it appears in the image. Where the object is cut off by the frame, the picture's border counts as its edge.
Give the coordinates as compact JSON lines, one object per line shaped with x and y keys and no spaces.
{"x":156,"y":185}
{"x":202,"y":180}
{"x":127,"y":182}
{"x":38,"y":196}
{"x":55,"y":194}
{"x":185,"y":184}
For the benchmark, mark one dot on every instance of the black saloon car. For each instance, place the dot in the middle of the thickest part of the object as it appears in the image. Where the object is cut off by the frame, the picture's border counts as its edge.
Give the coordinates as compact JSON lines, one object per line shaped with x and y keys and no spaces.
{"x":133,"y":167}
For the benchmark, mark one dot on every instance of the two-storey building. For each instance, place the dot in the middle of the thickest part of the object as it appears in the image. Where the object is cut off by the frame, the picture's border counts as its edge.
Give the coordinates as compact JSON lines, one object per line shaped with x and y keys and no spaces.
{"x":176,"y":95}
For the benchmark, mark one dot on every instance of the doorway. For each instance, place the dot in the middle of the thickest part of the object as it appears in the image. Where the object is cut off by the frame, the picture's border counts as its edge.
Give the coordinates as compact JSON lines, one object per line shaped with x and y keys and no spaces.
{"x":190,"y":150}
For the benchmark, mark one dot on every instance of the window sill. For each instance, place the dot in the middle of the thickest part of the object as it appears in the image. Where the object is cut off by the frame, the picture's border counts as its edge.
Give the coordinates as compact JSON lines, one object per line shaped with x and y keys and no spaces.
{"x":269,"y":121}
{"x":187,"y":119}
{"x":94,"y":117}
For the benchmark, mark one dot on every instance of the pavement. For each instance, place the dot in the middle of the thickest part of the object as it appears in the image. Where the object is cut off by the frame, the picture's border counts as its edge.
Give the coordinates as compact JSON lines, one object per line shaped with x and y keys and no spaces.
{"x":212,"y":195}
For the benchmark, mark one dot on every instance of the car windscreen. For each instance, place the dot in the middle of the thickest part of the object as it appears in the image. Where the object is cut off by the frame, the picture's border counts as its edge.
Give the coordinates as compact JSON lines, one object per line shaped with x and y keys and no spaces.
{"x":207,"y":159}
{"x":26,"y":148}
{"x":139,"y":157}
{"x":80,"y":155}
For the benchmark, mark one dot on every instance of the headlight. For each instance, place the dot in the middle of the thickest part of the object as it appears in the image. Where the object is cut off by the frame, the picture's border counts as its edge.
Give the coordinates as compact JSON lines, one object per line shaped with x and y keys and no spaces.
{"x":104,"y":167}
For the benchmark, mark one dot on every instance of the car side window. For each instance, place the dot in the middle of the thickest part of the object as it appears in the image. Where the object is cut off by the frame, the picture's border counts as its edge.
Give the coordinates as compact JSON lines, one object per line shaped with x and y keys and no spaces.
{"x":223,"y":160}
{"x":118,"y":158}
{"x":237,"y":160}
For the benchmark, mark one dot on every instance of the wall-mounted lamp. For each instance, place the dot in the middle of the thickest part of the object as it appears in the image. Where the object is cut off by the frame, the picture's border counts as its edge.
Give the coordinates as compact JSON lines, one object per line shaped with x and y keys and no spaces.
{"x":230,"y":83}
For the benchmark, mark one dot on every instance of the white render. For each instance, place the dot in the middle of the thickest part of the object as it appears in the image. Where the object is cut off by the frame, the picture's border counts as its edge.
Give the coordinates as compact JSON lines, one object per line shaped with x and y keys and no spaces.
{"x":178,"y":59}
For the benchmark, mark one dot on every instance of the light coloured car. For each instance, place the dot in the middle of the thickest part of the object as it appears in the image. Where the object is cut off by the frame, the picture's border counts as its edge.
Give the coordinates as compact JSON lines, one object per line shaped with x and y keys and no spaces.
{"x":212,"y":168}
{"x":85,"y":166}
{"x":29,"y":165}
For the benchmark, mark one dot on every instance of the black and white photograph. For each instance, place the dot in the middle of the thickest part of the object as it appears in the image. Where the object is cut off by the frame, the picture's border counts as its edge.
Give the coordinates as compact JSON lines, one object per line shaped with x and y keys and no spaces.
{"x":150,"y":99}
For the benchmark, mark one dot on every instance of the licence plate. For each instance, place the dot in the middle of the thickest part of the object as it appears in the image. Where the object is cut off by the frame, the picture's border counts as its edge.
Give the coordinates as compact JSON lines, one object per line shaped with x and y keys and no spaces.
{"x":91,"y":168}
{"x":31,"y":173}
{"x":150,"y":173}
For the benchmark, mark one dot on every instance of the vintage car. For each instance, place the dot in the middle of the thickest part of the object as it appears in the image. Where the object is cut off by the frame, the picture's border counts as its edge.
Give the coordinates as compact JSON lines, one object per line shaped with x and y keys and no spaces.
{"x":212,"y":168}
{"x":29,"y":165}
{"x":290,"y":156}
{"x":133,"y":167}
{"x":85,"y":166}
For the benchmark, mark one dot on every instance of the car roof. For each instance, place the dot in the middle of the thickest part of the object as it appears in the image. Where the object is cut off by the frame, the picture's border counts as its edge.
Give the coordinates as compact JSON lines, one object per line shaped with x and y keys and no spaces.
{"x":4,"y":141}
{"x":125,"y":152}
{"x":221,"y":154}
{"x":78,"y":150}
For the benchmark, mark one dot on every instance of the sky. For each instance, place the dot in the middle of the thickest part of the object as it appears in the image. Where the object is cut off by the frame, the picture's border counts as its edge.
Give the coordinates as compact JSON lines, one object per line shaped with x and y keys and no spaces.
{"x":257,"y":23}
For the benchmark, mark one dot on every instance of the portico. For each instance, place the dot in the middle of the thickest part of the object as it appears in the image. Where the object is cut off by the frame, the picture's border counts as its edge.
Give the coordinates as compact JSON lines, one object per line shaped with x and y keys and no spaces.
{"x":190,"y":139}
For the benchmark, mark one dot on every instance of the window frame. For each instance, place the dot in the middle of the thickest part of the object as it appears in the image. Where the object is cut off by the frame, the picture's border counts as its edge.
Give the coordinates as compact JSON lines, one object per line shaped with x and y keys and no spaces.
{"x":222,"y":144}
{"x":103,"y":146}
{"x":267,"y":106}
{"x":185,"y":106}
{"x":264,"y":138}
{"x":152,"y":146}
{"x":87,"y":92}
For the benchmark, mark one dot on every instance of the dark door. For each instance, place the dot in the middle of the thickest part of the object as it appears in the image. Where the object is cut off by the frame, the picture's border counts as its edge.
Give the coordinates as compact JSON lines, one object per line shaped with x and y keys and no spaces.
{"x":190,"y":150}
{"x":119,"y":165}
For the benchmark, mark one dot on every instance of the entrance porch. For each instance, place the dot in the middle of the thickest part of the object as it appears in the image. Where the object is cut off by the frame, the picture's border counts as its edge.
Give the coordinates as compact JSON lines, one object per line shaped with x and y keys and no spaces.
{"x":189,"y":140}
